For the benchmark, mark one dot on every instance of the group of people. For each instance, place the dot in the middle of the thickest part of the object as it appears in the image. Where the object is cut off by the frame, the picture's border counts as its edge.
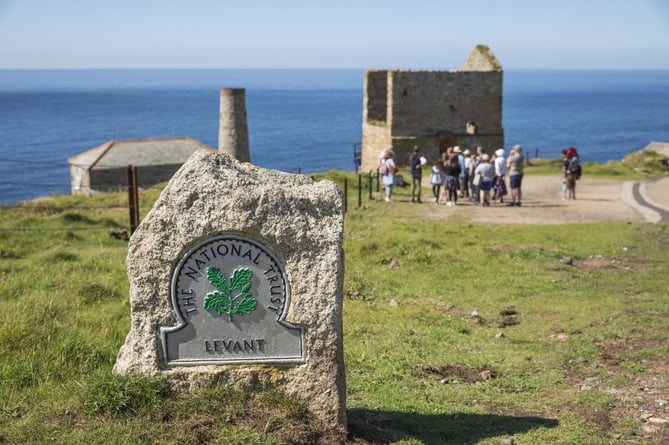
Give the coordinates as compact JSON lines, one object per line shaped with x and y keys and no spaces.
{"x":477,"y":176}
{"x":482,"y":174}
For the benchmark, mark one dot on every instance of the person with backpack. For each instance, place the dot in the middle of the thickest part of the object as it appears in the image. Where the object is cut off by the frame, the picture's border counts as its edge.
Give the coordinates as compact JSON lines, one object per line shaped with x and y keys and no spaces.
{"x":416,"y":167}
{"x":571,"y":169}
{"x":574,"y":163}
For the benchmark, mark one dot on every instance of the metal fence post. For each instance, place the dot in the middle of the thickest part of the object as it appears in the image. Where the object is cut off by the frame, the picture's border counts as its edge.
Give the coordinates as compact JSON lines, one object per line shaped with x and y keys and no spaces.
{"x":345,"y":195}
{"x":133,"y":198}
{"x":370,"y":186}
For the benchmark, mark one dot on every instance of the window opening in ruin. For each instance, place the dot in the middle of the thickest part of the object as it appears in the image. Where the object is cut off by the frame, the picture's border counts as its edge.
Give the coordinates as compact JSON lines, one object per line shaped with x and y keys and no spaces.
{"x":377,"y":96}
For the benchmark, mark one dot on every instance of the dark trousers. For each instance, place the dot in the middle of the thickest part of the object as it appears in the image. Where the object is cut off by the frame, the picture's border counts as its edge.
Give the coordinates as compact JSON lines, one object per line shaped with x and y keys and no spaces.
{"x":436,"y":188}
{"x":464,"y":186}
{"x":415,"y":187}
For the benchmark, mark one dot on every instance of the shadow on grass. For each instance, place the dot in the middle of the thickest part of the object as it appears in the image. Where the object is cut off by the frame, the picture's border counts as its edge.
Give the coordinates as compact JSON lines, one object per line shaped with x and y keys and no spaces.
{"x":384,"y":427}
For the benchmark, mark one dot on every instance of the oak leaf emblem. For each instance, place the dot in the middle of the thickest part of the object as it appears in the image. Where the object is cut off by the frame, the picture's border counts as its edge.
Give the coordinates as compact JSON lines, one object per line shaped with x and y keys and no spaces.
{"x":231,"y":298}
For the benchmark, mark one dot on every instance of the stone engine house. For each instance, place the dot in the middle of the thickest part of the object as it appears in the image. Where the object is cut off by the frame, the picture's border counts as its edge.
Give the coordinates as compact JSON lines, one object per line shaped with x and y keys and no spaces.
{"x":433,"y":109}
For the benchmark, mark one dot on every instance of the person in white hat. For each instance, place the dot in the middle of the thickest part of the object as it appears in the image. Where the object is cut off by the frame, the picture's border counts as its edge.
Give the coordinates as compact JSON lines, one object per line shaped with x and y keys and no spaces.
{"x":500,"y":175}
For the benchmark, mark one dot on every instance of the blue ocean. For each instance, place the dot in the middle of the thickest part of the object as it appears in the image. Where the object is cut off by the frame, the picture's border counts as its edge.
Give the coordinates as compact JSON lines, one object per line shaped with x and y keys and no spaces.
{"x":299,"y":120}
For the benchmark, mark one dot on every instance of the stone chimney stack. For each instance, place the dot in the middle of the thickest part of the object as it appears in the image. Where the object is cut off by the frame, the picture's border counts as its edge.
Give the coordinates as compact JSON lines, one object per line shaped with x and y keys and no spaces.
{"x":233,"y":133}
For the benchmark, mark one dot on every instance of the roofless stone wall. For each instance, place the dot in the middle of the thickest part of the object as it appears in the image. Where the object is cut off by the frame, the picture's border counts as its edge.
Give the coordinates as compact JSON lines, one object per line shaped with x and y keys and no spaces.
{"x":433,"y":109}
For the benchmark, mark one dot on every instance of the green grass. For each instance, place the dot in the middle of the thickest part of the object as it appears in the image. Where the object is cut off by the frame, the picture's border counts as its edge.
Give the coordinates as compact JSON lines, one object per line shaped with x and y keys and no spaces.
{"x":636,"y":166}
{"x":411,"y":287}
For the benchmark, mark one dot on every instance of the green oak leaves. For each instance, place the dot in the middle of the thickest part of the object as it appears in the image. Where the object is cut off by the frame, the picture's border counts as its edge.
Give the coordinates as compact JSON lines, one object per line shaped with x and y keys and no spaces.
{"x":225,"y":300}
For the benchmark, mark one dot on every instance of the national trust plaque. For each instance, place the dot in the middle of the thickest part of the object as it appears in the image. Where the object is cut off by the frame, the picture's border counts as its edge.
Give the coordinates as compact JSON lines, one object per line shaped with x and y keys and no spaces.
{"x":231,"y":296}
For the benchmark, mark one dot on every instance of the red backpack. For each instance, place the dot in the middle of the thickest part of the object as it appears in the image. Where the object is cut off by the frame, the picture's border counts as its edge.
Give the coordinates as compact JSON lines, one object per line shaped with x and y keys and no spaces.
{"x":574,"y":165}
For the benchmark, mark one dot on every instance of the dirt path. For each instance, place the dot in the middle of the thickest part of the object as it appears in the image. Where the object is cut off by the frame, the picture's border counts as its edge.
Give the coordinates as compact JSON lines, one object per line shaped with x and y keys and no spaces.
{"x":597,"y":200}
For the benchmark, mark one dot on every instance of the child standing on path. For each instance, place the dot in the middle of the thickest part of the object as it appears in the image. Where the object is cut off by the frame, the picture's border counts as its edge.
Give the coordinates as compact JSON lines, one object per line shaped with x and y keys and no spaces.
{"x":437,"y":178}
{"x":564,"y":190}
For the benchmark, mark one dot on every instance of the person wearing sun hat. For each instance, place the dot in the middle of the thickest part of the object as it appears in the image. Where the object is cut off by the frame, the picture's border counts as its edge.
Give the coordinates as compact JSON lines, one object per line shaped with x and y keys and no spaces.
{"x":387,"y":169}
{"x":500,"y":175}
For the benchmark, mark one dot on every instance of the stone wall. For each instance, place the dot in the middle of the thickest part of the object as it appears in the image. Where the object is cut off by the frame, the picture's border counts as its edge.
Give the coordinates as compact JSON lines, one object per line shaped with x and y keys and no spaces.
{"x":94,"y":180}
{"x":376,"y":106}
{"x":375,"y":137}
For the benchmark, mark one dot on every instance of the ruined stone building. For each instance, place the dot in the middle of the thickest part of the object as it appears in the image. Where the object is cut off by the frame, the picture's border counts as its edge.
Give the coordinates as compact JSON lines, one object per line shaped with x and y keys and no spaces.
{"x":433,"y":109}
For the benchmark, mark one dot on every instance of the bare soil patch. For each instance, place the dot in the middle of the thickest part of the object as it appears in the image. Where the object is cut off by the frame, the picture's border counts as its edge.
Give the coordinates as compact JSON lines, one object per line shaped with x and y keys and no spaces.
{"x":455,"y":373}
{"x":638,"y":386}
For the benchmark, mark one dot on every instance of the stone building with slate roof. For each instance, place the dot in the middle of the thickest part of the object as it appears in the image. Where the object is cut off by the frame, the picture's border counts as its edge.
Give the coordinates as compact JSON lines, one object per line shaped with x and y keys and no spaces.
{"x":104,"y":168}
{"x":433,"y":109}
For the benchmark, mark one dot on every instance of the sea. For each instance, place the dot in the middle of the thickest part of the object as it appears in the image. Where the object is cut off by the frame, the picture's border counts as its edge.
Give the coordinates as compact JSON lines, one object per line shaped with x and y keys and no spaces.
{"x":300,"y":121}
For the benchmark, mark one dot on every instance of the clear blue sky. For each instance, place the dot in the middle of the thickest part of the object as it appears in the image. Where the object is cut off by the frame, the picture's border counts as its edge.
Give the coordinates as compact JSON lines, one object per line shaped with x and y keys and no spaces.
{"x":415,"y":34}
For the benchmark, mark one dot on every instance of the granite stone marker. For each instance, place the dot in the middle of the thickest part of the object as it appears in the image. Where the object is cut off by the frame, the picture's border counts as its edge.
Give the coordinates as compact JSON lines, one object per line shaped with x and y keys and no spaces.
{"x":236,"y":275}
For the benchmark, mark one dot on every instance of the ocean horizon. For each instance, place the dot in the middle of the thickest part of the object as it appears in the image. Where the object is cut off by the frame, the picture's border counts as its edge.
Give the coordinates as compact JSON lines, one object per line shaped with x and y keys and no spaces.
{"x":300,"y":120}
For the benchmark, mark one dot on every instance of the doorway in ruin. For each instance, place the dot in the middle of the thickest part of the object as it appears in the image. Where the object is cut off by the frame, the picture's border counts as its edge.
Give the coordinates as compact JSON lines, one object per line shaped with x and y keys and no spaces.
{"x":444,"y":140}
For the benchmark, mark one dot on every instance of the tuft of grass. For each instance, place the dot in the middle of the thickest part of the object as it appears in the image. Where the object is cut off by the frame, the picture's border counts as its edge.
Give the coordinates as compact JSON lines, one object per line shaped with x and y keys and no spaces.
{"x":123,"y":396}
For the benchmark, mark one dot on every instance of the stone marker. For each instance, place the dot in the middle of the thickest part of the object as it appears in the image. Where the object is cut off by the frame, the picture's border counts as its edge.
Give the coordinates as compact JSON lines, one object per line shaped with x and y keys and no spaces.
{"x":236,"y":275}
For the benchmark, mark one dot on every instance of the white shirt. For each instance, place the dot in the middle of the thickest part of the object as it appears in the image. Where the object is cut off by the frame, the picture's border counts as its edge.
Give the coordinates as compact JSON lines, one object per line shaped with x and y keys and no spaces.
{"x":500,"y":166}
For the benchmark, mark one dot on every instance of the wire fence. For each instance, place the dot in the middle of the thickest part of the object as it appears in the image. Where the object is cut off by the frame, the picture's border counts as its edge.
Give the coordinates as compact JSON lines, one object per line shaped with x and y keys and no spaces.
{"x":364,"y":186}
{"x":41,"y":206}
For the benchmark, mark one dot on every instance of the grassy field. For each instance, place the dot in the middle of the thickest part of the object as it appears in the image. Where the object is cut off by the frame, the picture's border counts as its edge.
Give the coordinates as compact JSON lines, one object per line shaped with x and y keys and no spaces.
{"x":454,"y":333}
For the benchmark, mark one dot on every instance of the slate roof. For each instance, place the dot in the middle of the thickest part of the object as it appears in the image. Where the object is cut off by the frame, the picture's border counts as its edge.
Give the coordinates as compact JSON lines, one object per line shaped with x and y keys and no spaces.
{"x":139,"y":152}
